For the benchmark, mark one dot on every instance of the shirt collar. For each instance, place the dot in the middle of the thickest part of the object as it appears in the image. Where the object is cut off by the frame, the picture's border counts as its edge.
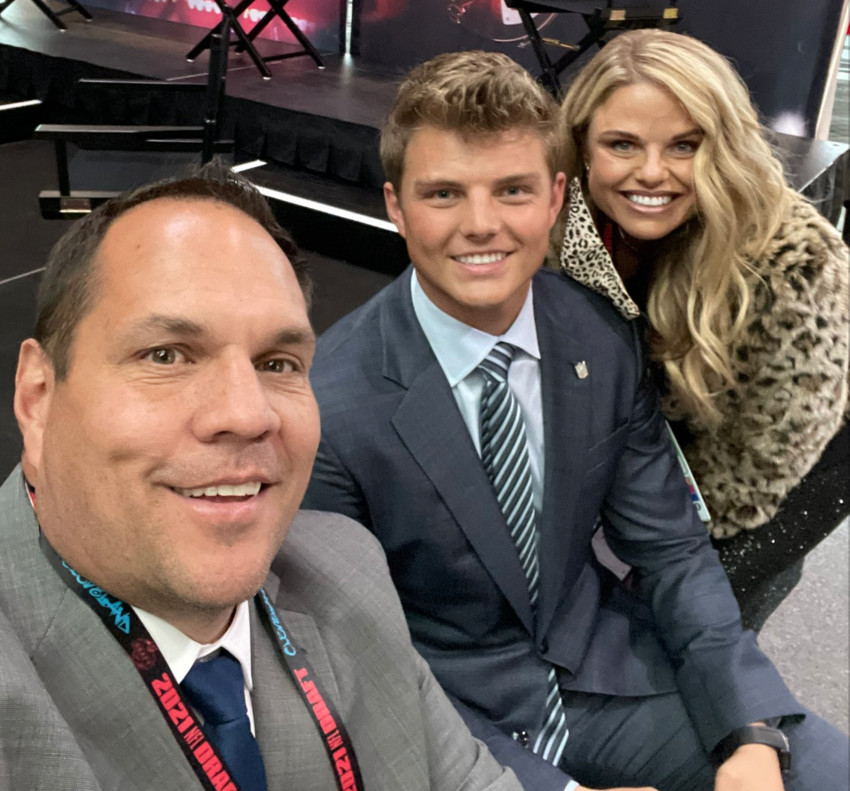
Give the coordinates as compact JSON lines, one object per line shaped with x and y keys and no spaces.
{"x":181,"y":652}
{"x":460,"y":348}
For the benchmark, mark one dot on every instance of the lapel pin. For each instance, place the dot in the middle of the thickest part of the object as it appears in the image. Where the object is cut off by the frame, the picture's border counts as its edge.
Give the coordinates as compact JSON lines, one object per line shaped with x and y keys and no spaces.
{"x":581,"y":369}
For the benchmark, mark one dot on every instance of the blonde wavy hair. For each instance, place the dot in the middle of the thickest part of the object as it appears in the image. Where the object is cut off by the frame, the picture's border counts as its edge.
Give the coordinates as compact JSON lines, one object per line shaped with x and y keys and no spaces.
{"x":698,"y":295}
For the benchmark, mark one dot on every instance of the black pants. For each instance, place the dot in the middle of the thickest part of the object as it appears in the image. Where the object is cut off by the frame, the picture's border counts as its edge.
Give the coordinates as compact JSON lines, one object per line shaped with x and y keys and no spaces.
{"x":765,"y":564}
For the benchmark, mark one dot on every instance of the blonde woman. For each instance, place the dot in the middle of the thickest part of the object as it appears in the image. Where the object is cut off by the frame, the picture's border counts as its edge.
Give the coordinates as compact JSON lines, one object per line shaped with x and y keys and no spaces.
{"x":678,"y":210}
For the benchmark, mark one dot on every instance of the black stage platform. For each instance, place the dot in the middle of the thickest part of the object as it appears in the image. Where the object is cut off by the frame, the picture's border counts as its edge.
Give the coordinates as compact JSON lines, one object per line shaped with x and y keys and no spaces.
{"x":321,"y":120}
{"x":324,"y":121}
{"x":317,"y":129}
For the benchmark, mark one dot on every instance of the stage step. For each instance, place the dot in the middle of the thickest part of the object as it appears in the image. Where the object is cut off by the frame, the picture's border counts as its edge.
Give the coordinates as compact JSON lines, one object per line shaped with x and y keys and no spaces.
{"x":18,"y":117}
{"x":333,"y":217}
{"x":326,"y":215}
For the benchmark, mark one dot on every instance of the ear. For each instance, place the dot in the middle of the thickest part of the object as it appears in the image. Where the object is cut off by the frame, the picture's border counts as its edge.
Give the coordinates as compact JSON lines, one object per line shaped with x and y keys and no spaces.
{"x":558,"y":187}
{"x":393,"y":205}
{"x":34,"y":384}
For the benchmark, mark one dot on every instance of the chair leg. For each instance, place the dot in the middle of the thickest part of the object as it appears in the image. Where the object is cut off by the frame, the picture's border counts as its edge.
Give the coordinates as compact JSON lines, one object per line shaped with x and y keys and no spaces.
{"x":60,"y":152}
{"x":549,"y":76}
{"x":278,"y":6}
{"x":247,"y":45}
{"x":204,"y":43}
{"x":81,"y":10}
{"x":258,"y":28}
{"x":45,"y":9}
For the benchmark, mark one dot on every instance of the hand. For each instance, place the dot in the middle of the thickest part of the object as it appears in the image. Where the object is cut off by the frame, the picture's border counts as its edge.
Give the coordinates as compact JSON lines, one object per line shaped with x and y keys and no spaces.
{"x":752,"y":767}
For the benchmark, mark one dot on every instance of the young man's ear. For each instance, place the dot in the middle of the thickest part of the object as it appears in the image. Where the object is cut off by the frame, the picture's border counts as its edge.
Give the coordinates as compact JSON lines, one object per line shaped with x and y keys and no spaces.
{"x":34,"y":383}
{"x":394,"y":211}
{"x":559,"y":184}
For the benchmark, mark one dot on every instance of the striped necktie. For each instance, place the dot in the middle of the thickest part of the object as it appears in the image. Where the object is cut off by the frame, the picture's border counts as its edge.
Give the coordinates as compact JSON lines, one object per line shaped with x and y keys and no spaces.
{"x":504,"y":453}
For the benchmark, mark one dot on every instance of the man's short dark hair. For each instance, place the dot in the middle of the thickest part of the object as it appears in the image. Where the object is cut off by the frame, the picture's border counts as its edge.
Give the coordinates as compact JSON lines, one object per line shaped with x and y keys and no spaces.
{"x":67,"y":289}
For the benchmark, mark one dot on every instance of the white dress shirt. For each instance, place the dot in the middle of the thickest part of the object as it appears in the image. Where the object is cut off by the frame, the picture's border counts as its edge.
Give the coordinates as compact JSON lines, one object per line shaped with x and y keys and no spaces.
{"x":181,"y":652}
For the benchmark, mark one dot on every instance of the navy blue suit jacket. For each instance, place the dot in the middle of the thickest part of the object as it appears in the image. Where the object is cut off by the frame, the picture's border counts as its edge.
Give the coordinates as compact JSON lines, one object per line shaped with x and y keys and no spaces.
{"x":396,"y":456}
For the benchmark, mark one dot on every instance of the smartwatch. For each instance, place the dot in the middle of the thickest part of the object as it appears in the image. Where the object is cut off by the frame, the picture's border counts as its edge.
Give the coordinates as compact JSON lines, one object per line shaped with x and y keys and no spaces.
{"x":759,"y":734}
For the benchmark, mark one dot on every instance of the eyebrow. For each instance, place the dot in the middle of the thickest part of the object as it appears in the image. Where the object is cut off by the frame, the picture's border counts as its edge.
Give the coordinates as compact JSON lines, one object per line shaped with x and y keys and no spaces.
{"x":623,"y":133}
{"x":690,"y":133}
{"x":169,"y":324}
{"x":185,"y":328}
{"x":295,"y":336}
{"x":438,"y":183}
{"x":514,"y":177}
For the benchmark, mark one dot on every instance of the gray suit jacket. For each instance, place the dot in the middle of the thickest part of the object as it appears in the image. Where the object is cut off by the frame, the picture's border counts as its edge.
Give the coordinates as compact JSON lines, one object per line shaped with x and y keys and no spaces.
{"x":396,"y":455}
{"x":75,"y":716}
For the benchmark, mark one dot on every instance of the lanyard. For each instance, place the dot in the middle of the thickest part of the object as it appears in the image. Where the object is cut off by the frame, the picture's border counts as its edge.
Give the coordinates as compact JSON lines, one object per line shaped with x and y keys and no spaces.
{"x":209,"y":767}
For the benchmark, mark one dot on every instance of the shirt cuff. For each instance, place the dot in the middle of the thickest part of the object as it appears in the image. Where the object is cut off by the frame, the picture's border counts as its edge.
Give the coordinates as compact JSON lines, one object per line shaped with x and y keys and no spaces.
{"x":571,"y":786}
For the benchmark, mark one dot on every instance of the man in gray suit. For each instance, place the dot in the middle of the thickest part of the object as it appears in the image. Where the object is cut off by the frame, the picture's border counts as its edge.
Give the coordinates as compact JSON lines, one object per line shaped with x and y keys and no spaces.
{"x":169,"y":430}
{"x":480,"y":416}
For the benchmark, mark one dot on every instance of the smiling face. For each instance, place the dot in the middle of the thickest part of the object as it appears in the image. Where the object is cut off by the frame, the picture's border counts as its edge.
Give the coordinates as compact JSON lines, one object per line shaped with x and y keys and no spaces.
{"x":170,"y":461}
{"x":476,"y":215}
{"x":639,"y":152}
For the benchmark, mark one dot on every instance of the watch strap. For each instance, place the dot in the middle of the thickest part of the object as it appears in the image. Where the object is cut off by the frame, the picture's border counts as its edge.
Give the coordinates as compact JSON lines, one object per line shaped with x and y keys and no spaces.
{"x":758,"y":734}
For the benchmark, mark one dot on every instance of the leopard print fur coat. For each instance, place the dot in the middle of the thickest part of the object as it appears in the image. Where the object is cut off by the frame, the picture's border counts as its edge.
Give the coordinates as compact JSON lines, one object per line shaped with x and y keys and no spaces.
{"x":791,"y":364}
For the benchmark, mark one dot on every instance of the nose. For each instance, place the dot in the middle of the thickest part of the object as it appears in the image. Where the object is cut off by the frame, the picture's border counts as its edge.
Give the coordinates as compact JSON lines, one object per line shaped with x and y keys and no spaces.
{"x":233,"y":402}
{"x":653,"y":168}
{"x":481,"y":219}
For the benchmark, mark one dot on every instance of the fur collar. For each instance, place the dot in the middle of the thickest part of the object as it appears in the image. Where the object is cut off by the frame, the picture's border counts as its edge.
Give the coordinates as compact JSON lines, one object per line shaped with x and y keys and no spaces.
{"x":585,"y":259}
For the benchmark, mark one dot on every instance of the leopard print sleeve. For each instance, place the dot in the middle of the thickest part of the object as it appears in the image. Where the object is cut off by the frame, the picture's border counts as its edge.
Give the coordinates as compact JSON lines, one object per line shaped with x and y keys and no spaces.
{"x":792,"y":374}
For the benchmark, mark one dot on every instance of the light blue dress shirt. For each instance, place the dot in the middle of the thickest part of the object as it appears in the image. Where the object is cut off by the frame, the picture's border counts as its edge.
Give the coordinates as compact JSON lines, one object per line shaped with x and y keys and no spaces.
{"x":460,"y":349}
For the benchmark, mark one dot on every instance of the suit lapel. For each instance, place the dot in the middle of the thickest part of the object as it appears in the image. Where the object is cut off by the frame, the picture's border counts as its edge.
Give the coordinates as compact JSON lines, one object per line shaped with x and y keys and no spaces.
{"x":105,"y":703}
{"x":566,"y":400}
{"x":293,"y":753}
{"x":99,"y":698}
{"x":443,"y":448}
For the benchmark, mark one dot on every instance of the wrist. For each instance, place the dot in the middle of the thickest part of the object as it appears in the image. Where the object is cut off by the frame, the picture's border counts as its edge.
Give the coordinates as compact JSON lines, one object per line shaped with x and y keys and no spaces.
{"x":757,"y":750}
{"x":757,"y":736}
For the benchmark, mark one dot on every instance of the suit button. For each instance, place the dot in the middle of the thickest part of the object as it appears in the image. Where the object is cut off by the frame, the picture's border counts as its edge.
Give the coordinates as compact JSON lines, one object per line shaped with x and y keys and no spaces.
{"x":543,"y":648}
{"x":521,"y":738}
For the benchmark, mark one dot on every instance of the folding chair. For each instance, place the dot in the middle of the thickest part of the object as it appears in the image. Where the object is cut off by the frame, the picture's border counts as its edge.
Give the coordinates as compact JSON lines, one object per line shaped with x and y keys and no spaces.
{"x":602,"y":18}
{"x":244,"y":41}
{"x":52,"y":15}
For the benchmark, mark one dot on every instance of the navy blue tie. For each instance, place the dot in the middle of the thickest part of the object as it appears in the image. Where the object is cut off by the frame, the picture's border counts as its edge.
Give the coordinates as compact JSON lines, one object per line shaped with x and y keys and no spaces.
{"x":216,"y":690}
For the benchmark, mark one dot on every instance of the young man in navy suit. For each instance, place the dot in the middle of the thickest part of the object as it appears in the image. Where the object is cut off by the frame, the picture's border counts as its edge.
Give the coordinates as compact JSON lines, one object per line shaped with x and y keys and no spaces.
{"x":481,"y":417}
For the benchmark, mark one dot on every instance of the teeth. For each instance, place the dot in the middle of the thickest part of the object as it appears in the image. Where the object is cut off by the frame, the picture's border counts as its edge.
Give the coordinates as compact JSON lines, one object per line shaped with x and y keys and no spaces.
{"x":486,"y":258}
{"x":242,"y":490}
{"x":650,"y":200}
